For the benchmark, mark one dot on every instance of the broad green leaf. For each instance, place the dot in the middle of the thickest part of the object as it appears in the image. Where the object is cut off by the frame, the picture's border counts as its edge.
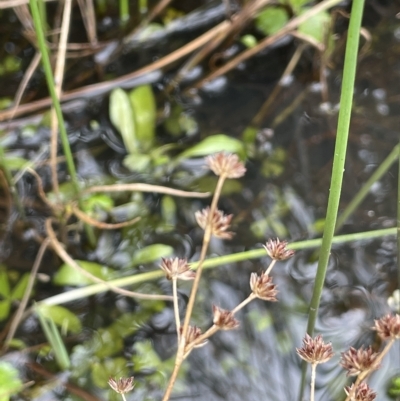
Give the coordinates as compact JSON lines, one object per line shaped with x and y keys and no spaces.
{"x":145,"y":357}
{"x":316,"y":26}
{"x":67,"y":275}
{"x":214,"y":144}
{"x":19,"y":290}
{"x":145,"y":115}
{"x":151,"y":253}
{"x":4,"y":309}
{"x":10,"y":383}
{"x":62,"y":317}
{"x":121,"y":115}
{"x":270,"y":20}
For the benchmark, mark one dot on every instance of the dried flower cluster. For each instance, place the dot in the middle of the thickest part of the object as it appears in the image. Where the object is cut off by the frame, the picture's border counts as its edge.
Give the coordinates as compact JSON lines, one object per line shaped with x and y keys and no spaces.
{"x":192,"y":334}
{"x":362,"y":393}
{"x":263,"y":287}
{"x":277,"y":249}
{"x":358,"y":361}
{"x":219,"y":223}
{"x":388,"y":327}
{"x":314,"y":350}
{"x":122,"y":385}
{"x":223,"y":319}
{"x":226,"y":164}
{"x":177,"y":269}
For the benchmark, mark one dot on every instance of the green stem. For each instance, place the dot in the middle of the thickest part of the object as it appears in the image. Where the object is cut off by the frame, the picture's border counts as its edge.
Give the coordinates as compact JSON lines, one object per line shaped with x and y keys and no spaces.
{"x":346,"y":100}
{"x":50,"y":84}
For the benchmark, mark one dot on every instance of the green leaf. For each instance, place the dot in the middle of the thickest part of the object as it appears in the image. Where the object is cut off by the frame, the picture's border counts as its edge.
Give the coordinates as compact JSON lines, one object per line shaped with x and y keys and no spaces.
{"x":108,"y":342}
{"x":137,"y":162}
{"x":4,"y":283}
{"x":102,"y":371}
{"x":10,"y":383}
{"x":19,"y":290}
{"x":100,"y":201}
{"x":145,"y":114}
{"x":62,"y":317}
{"x":249,"y":40}
{"x":214,"y":144}
{"x":151,"y":253}
{"x":67,"y":275}
{"x":316,"y":26}
{"x":15,"y":162}
{"x":271,"y":20}
{"x":121,"y":115}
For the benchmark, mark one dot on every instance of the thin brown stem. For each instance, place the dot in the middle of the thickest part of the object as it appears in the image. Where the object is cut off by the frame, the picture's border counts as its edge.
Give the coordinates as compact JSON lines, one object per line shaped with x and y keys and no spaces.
{"x":313,"y":374}
{"x":363,"y":375}
{"x":24,"y":301}
{"x":206,"y":240}
{"x":176,"y":307}
{"x":272,"y":264}
{"x":244,"y":303}
{"x":57,"y":246}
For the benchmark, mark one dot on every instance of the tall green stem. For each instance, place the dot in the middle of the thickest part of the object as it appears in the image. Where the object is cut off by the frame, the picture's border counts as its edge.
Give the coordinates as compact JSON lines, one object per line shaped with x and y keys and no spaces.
{"x":346,"y":100}
{"x":50,"y":84}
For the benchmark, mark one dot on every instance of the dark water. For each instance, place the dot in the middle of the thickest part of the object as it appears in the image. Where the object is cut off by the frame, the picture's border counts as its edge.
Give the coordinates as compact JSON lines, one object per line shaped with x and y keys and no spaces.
{"x":284,"y":193}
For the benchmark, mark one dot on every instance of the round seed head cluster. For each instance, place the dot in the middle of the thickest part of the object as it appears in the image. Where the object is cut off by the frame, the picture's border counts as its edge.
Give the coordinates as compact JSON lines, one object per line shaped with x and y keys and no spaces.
{"x":176,"y":268}
{"x":277,"y":249}
{"x":122,"y":385}
{"x":314,"y":350}
{"x":226,"y":164}
{"x":356,"y":361}
{"x":361,"y":393}
{"x":388,"y":327}
{"x":219,"y":222}
{"x":263,"y":287}
{"x":224,"y":319}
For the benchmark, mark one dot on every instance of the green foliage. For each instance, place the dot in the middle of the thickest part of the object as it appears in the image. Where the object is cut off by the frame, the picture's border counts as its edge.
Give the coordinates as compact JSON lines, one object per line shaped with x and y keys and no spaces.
{"x":213,"y":144}
{"x":8,"y":294}
{"x":393,"y":389}
{"x":151,"y":253}
{"x":273,"y":166}
{"x":270,"y":20}
{"x":134,"y":116}
{"x":249,"y":40}
{"x":67,"y":275}
{"x":62,"y":317}
{"x":10,"y":383}
{"x":316,"y":26}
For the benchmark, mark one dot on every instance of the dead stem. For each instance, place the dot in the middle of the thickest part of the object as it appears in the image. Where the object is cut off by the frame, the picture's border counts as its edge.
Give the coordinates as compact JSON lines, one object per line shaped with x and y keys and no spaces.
{"x":206,"y":240}
{"x":24,"y":301}
{"x":58,"y":80}
{"x":244,"y":303}
{"x":57,"y":246}
{"x":147,"y":188}
{"x":290,"y":26}
{"x":312,"y":385}
{"x":272,"y":264}
{"x":176,"y":307}
{"x":107,"y":86}
{"x":99,"y":224}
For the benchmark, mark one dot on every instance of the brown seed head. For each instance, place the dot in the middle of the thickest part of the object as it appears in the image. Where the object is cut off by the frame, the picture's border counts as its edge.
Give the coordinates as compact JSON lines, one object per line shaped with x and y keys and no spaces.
{"x":177,"y":268}
{"x":314,"y":350}
{"x":388,"y":327}
{"x":123,"y":385}
{"x":263,"y":287}
{"x":358,"y":361}
{"x":224,"y":319}
{"x":219,"y":222}
{"x":362,"y":393}
{"x":192,"y":334}
{"x":277,"y":250}
{"x":226,"y":164}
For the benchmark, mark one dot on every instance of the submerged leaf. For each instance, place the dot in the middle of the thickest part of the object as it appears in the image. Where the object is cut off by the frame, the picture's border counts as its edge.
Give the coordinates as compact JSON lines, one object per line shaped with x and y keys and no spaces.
{"x":62,"y":317}
{"x":270,"y":20}
{"x":316,"y":26}
{"x":145,"y":114}
{"x":214,"y":144}
{"x":121,"y":115}
{"x":10,"y":383}
{"x":151,"y":253}
{"x":67,"y":275}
